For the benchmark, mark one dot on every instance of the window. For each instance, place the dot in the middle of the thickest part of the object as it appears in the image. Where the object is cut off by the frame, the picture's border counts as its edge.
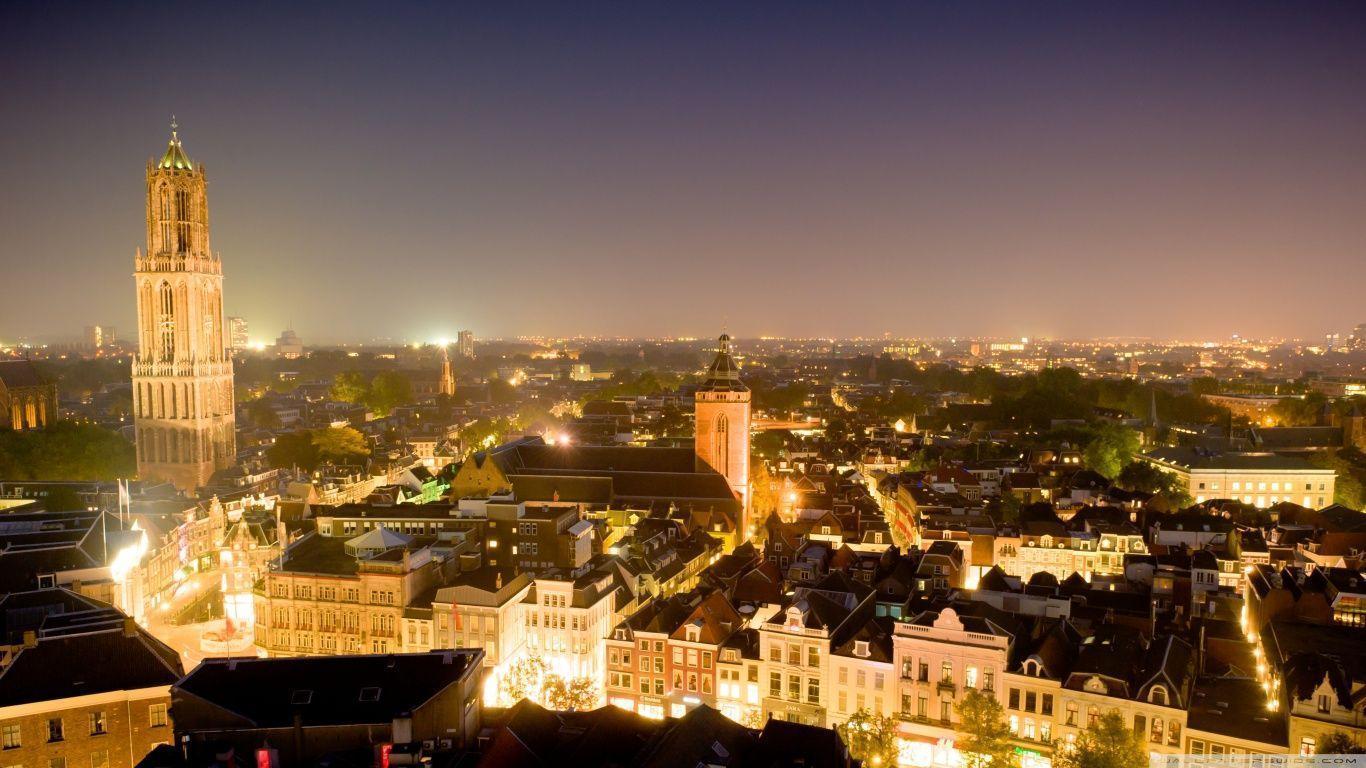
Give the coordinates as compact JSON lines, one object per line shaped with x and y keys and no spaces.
{"x":60,"y":762}
{"x":678,"y":656}
{"x":97,"y":724}
{"x":922,"y":707}
{"x":1071,"y":714}
{"x":844,"y":675}
{"x":813,"y":656}
{"x":10,"y":737}
{"x":813,"y":690}
{"x":1047,"y":704}
{"x":1031,"y":701}
{"x":988,"y":681}
{"x":1014,"y":699}
{"x":945,"y":707}
{"x":156,"y":715}
{"x":99,"y":758}
{"x":946,"y":672}
{"x":55,"y":731}
{"x":1325,"y":704}
{"x":1158,"y":695}
{"x":1156,"y":736}
{"x":970,"y":677}
{"x":794,"y":687}
{"x":775,"y":684}
{"x":775,"y":653}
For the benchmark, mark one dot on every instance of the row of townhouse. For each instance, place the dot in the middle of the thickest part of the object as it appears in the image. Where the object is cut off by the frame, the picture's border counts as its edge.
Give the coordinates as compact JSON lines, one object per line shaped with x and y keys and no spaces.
{"x":827,"y":652}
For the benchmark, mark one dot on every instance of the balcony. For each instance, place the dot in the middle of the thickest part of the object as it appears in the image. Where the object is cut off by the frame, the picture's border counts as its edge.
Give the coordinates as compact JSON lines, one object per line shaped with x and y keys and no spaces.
{"x":946,"y":686}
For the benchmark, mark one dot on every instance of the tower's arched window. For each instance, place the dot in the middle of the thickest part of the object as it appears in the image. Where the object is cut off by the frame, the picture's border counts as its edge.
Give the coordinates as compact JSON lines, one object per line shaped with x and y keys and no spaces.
{"x":182,"y":223}
{"x":167,"y":216}
{"x":722,"y":436}
{"x":166,"y":322}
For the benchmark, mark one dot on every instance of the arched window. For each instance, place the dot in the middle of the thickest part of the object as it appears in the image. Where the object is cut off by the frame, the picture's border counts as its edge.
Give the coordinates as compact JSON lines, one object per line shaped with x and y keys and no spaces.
{"x":722,"y":447}
{"x":166,"y":322}
{"x":1158,"y":695}
{"x":182,"y":224}
{"x":167,"y":219}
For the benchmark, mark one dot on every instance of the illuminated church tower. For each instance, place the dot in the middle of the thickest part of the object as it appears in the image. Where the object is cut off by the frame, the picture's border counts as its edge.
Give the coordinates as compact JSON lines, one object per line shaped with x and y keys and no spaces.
{"x":721,"y":419}
{"x":182,"y":376}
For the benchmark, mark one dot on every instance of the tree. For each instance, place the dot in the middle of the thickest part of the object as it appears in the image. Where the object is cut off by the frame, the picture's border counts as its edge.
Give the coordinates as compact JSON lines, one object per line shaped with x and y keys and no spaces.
{"x":295,"y":449}
{"x":1112,"y":447}
{"x":1347,"y":489}
{"x":763,"y":491}
{"x":673,"y":422}
{"x":1143,"y":476}
{"x":987,"y":738}
{"x":66,"y":450}
{"x":870,"y":738}
{"x":752,"y":719}
{"x":522,"y":679}
{"x":1107,"y":743}
{"x":573,"y":695}
{"x":1339,"y":743}
{"x":349,"y":387}
{"x":262,"y":415}
{"x":389,"y":390}
{"x":340,"y":445}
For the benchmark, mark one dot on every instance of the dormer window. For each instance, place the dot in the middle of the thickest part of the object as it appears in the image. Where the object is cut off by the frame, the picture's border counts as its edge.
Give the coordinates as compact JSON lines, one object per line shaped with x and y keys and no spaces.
{"x":1158,"y":695}
{"x":861,"y":649}
{"x":692,"y":634}
{"x":1031,"y":668}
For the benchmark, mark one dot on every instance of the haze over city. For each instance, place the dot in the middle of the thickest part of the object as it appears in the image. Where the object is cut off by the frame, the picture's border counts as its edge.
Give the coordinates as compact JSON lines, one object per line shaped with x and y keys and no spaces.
{"x":1065,"y":170}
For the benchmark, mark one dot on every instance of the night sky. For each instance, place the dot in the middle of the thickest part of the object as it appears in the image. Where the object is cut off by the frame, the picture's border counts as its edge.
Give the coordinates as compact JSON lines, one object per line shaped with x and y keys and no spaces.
{"x":405,"y":170}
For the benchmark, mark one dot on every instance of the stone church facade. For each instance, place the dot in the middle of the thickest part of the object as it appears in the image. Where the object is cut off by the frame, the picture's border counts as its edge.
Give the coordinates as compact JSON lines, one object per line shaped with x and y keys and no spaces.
{"x":182,"y":375}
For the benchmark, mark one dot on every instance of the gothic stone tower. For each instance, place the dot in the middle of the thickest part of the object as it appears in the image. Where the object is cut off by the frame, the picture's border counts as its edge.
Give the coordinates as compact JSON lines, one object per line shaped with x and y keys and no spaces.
{"x":182,"y":376}
{"x":721,"y":421}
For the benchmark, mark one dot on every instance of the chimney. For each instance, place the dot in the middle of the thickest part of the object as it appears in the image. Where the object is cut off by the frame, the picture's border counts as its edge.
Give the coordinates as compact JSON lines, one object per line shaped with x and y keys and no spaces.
{"x":30,"y":639}
{"x":498,"y":580}
{"x":130,"y":627}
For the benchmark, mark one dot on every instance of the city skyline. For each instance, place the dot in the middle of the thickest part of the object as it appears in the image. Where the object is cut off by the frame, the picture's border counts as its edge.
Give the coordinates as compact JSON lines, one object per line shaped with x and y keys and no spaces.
{"x":1037,"y":164}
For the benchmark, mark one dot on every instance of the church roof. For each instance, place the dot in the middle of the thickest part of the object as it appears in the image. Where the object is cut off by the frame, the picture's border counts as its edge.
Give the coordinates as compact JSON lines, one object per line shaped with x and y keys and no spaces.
{"x":175,"y":156}
{"x":723,"y":375}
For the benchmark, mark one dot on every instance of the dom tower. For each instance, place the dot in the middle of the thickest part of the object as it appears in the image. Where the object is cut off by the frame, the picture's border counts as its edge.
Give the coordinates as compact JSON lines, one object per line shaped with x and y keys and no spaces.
{"x":182,"y":376}
{"x":721,"y":425}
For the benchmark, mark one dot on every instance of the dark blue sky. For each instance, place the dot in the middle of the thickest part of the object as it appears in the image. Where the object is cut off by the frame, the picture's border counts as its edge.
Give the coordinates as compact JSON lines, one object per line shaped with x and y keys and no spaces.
{"x":405,"y":170}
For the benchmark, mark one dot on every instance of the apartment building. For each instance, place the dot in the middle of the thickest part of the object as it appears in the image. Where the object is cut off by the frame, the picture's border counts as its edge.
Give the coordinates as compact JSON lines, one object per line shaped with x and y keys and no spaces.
{"x":569,"y":617}
{"x":83,"y":686}
{"x":330,"y":595}
{"x":665,"y":658}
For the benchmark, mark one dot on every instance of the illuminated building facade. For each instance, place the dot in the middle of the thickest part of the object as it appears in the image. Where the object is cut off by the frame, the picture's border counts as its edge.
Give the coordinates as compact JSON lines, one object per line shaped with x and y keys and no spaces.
{"x":332,"y":595}
{"x":1259,"y":479}
{"x":568,"y":620}
{"x":722,"y":422}
{"x":238,"y":337}
{"x":27,"y":400}
{"x":182,"y":375}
